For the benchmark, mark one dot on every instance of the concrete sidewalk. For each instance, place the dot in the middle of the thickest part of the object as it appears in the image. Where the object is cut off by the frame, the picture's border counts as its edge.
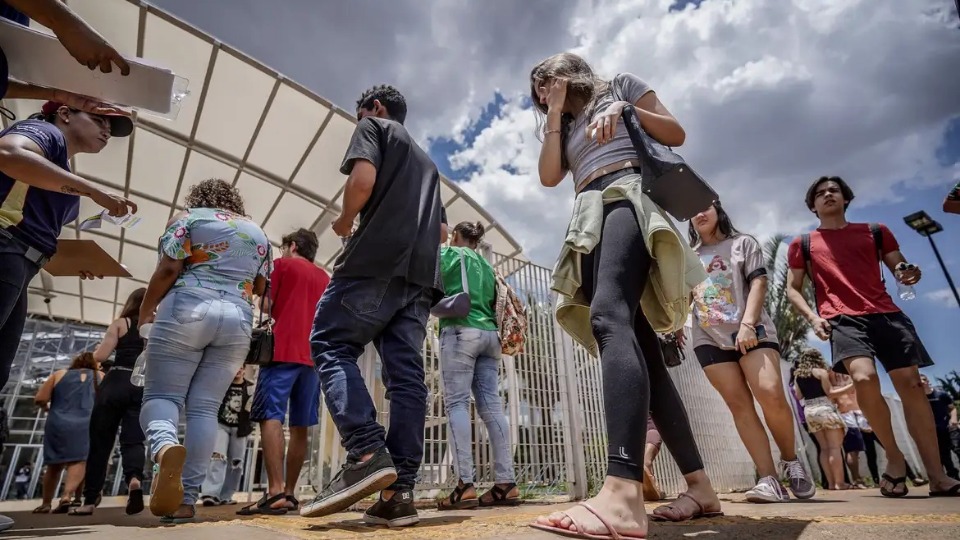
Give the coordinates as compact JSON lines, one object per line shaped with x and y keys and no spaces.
{"x":853,"y":515}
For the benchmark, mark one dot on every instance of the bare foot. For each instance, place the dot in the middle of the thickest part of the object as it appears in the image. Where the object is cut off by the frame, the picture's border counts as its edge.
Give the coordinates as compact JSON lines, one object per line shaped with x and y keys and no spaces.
{"x":85,"y":510}
{"x":186,"y":511}
{"x":620,"y":502}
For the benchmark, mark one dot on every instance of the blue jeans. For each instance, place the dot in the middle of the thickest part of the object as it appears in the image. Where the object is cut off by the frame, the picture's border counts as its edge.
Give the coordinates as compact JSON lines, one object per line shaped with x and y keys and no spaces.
{"x":198,"y":342}
{"x":393,"y":315}
{"x":470,"y":359}
{"x":226,"y":464}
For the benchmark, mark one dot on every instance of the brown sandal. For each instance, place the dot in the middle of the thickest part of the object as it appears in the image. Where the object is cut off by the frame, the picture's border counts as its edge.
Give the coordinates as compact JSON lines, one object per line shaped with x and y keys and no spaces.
{"x":700,"y":513}
{"x":63,"y":507}
{"x":456,"y":501}
{"x":498,"y":496}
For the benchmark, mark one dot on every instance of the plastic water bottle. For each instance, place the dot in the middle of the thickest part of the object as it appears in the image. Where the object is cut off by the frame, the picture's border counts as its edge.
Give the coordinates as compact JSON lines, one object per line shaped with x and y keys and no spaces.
{"x":138,"y":376}
{"x":905,"y":292}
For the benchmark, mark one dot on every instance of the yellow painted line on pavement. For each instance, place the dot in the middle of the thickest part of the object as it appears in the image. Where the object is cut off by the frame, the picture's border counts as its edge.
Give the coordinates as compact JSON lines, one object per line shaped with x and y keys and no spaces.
{"x":489,"y":525}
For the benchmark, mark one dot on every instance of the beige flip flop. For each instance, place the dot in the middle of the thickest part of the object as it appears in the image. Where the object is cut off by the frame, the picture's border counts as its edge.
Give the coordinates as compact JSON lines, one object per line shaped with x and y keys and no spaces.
{"x":168,"y":484}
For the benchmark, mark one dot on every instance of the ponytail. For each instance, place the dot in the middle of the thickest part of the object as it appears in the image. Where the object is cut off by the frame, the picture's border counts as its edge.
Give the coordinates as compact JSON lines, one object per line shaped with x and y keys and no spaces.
{"x":471,"y":232}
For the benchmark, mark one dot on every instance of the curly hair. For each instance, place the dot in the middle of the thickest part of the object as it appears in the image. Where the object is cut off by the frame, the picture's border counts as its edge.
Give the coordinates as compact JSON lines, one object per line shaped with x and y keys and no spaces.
{"x":215,"y":193}
{"x":389,"y":97}
{"x":807,"y":361}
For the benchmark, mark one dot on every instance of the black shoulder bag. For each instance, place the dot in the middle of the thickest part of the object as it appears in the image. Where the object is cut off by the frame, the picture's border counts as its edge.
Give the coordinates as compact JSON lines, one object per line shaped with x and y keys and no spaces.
{"x":261,"y":341}
{"x":665,"y":176}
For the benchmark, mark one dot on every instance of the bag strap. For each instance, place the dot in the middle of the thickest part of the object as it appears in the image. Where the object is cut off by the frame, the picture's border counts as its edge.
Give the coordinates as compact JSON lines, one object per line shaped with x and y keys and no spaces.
{"x":615,"y":88}
{"x":266,"y":290}
{"x":878,"y":245}
{"x":808,"y":262}
{"x":463,"y":272}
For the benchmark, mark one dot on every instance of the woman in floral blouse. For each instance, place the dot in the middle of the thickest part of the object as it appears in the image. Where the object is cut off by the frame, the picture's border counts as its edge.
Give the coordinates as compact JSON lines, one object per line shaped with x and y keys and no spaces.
{"x":213,"y":260}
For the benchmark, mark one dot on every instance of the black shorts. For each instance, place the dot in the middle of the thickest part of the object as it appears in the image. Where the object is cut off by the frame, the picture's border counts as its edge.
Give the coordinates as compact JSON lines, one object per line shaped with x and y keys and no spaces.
{"x":709,"y":355}
{"x":853,"y":441}
{"x":889,"y":337}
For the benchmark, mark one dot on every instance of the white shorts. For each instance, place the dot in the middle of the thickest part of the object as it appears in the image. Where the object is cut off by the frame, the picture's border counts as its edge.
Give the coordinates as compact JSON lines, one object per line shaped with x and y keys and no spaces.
{"x":856,"y":419}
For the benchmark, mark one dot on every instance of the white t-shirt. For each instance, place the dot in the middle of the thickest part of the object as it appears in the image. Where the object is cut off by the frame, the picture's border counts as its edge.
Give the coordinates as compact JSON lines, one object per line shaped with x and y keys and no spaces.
{"x":720,"y":301}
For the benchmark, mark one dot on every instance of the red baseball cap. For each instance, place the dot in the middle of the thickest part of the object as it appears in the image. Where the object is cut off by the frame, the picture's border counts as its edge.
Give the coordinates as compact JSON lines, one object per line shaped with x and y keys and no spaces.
{"x":120,"y":126}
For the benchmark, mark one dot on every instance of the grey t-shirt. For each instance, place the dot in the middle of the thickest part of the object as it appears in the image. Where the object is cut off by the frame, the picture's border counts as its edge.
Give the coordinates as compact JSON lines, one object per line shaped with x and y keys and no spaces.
{"x":583,"y":153}
{"x":720,"y":301}
{"x":399,"y":231}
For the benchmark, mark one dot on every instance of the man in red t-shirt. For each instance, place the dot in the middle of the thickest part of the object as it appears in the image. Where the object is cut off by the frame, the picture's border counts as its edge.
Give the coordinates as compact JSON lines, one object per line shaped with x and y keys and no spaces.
{"x":862,"y":322}
{"x":296,"y":286}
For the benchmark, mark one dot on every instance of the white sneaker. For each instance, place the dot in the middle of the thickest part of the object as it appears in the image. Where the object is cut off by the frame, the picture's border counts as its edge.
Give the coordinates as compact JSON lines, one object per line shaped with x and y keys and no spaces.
{"x":768,"y":490}
{"x":800,"y":483}
{"x":5,"y":523}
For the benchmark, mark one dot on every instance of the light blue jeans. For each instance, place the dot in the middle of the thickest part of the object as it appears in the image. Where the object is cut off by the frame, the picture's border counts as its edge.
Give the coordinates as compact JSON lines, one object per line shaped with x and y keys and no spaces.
{"x":470,"y":360}
{"x":226,"y":465}
{"x":195,"y":348}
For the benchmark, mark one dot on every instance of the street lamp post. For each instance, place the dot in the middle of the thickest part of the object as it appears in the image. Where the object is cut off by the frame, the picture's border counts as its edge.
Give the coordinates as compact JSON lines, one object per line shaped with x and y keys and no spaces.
{"x":926,"y":226}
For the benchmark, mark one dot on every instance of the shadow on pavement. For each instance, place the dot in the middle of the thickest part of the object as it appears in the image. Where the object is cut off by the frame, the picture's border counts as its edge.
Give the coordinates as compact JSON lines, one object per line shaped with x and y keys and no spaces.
{"x":28,"y":524}
{"x":740,"y":528}
{"x":358,"y":526}
{"x":792,"y":501}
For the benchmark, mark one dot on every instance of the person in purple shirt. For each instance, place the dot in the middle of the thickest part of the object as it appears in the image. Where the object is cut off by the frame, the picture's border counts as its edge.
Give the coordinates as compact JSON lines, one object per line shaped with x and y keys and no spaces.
{"x":38,"y":196}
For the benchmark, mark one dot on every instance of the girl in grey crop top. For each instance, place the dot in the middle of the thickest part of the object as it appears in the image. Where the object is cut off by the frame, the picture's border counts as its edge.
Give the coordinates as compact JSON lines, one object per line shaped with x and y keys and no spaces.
{"x":583,"y":152}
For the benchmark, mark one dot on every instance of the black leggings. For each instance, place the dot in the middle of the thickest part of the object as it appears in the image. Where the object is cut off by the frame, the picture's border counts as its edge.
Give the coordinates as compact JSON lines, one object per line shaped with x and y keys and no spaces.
{"x":117,"y":407}
{"x":635,"y":379}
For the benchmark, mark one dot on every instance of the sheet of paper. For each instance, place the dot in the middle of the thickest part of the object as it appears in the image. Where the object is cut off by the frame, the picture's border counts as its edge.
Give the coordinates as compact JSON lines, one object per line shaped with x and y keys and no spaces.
{"x":39,"y":58}
{"x":128,"y":221}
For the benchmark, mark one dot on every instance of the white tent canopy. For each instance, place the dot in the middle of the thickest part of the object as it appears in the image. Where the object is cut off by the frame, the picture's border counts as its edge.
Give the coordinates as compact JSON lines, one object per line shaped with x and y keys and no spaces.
{"x":280,"y":144}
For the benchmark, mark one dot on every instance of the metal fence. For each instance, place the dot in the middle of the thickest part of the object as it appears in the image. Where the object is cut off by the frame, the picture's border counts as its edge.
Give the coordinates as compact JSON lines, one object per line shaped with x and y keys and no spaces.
{"x":553,"y":400}
{"x":552,"y":395}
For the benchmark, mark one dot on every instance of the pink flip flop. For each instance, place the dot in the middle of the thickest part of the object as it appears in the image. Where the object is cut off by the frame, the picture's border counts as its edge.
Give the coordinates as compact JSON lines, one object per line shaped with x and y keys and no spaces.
{"x":614,"y":535}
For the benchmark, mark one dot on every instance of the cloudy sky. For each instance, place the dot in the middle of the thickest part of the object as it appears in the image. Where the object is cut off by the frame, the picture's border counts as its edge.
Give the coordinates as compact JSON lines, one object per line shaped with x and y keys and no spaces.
{"x":772,"y":95}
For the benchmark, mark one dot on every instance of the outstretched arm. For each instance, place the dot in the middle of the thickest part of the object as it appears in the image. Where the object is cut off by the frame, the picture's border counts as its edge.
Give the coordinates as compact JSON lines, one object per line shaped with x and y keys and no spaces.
{"x":79,"y":38}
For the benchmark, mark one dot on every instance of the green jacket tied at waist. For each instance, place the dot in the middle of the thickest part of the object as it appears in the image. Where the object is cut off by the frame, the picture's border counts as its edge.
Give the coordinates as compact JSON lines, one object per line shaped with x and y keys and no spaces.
{"x":674,"y":271}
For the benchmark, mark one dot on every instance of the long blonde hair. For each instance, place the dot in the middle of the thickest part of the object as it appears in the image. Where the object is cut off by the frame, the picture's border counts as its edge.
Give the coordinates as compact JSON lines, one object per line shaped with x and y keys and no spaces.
{"x":809,"y":360}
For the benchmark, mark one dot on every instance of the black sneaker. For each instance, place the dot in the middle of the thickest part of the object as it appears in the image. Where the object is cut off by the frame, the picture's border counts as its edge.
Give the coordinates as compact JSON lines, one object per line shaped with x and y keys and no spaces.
{"x":354,"y":482}
{"x":399,"y":511}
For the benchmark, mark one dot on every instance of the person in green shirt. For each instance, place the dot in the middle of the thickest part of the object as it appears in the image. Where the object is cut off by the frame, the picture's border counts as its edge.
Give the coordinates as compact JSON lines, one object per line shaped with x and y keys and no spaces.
{"x":470,"y":360}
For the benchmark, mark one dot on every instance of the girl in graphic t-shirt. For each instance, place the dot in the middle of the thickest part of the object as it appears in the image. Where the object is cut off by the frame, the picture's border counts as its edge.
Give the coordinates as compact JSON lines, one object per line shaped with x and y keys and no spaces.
{"x":735,"y":342}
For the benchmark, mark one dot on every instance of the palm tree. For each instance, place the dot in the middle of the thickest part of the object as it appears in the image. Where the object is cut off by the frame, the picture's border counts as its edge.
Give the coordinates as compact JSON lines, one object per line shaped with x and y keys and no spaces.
{"x":792,"y":328}
{"x":951,"y":384}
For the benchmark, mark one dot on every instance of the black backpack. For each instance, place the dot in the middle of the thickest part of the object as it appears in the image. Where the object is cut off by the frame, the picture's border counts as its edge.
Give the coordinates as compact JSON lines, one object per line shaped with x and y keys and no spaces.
{"x":877,"y":243}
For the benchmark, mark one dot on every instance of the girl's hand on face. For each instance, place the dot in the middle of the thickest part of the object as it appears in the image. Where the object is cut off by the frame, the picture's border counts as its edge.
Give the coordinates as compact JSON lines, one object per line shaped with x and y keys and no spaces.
{"x":553,"y":94}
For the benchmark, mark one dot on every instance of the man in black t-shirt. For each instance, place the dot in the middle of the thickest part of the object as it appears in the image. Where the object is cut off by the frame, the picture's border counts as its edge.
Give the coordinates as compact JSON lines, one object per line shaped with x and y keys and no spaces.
{"x":945,"y":418}
{"x":383,"y":285}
